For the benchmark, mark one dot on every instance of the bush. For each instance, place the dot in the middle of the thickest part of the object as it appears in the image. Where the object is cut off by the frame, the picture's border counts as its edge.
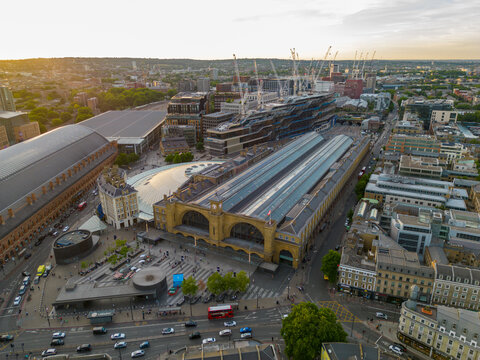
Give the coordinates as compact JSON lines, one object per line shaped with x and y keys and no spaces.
{"x":57,"y":122}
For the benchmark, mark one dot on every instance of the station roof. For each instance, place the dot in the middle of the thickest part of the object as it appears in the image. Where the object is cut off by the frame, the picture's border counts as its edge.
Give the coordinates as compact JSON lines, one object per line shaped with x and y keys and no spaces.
{"x":125,"y":124}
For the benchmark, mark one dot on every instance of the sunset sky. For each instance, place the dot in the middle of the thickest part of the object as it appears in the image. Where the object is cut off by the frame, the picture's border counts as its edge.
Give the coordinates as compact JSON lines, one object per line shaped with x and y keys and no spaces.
{"x":215,"y":29}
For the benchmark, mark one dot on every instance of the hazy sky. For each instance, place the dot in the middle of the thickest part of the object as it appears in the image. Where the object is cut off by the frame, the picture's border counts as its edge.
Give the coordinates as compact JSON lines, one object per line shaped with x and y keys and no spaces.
{"x":215,"y":29}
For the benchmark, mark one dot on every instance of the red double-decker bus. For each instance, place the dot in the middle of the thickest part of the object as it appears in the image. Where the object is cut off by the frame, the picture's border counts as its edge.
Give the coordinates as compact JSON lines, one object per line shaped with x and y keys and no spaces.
{"x":220,"y":312}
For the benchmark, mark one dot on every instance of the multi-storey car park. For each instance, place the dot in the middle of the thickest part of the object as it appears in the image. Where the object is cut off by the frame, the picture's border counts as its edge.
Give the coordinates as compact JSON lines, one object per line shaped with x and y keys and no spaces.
{"x":288,"y":118}
{"x":271,"y":210}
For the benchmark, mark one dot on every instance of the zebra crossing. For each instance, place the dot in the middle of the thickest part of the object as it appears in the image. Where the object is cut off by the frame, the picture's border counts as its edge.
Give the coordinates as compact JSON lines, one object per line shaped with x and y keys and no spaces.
{"x":103,"y":277}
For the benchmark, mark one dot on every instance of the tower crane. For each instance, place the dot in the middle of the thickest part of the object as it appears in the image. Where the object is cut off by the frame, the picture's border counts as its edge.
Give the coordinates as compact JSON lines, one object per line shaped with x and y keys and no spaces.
{"x":371,"y":61}
{"x":353,"y":65}
{"x":242,"y":96}
{"x":322,"y":64}
{"x":280,"y":87}
{"x":259,"y":90}
{"x":363,"y":66}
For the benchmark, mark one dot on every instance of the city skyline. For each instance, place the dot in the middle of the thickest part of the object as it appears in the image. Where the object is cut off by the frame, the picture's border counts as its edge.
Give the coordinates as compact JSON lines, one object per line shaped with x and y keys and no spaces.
{"x":401,"y":29}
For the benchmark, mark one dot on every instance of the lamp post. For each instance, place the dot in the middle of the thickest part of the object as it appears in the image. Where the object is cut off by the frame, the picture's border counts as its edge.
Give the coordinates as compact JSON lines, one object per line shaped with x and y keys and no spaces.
{"x":131,"y":308}
{"x":48,"y":319}
{"x":288,"y":288}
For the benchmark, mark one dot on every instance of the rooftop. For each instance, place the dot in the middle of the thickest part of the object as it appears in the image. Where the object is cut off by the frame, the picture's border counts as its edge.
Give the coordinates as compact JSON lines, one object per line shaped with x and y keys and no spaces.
{"x":343,"y":351}
{"x":71,"y":238}
{"x":10,"y":114}
{"x":404,"y":261}
{"x":126,"y":123}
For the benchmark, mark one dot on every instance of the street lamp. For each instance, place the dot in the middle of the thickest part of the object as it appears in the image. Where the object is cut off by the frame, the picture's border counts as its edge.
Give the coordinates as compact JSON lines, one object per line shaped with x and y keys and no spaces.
{"x":288,"y":288}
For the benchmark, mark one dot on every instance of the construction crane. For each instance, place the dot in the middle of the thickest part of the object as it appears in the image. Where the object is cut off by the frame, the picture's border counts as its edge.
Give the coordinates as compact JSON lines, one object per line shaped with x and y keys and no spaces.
{"x":292,"y":52}
{"x":280,"y":87}
{"x":259,"y":90}
{"x":242,"y":97}
{"x":353,"y":65}
{"x":333,"y":63}
{"x":371,"y":61}
{"x":363,"y":66}
{"x":321,"y":65}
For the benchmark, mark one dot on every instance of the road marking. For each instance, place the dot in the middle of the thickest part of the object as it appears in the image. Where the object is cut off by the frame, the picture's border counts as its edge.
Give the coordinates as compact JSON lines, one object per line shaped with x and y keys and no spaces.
{"x":378,"y":339}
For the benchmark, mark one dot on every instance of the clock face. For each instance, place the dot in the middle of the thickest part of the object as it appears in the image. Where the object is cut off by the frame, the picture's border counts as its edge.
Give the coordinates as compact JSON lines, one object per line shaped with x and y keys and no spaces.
{"x":214,"y":206}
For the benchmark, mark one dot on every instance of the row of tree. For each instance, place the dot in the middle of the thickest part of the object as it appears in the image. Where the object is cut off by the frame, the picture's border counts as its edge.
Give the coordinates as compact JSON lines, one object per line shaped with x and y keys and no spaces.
{"x":178,"y":158}
{"x":125,"y":159}
{"x":121,"y":98}
{"x":361,"y":185}
{"x":217,"y":283}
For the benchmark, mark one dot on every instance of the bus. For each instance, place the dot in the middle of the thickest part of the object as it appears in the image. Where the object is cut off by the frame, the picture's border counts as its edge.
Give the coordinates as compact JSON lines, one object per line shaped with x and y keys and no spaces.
{"x":220,"y":312}
{"x":40,"y":270}
{"x":82,"y":205}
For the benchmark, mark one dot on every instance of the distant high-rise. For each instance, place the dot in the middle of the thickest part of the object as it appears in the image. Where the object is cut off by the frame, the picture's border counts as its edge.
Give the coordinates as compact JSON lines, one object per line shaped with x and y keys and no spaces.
{"x":134,"y":65}
{"x":371,"y":81}
{"x":203,"y":84}
{"x":215,"y":74}
{"x":6,"y":99}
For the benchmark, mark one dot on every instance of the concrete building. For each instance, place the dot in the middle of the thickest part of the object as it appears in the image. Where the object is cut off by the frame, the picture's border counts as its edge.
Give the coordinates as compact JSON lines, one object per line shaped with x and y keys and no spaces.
{"x":7,"y":102}
{"x":440,"y":332}
{"x":408,"y":128}
{"x":271,"y":210}
{"x":211,"y":121}
{"x":92,"y":103}
{"x":452,"y":151}
{"x":188,"y":132}
{"x":419,"y":166}
{"x":424,"y":107}
{"x":412,"y":232}
{"x":381,"y":100}
{"x":353,"y":88}
{"x":26,"y":131}
{"x":421,"y":145}
{"x":397,"y":270}
{"x":443,"y":117}
{"x":44,"y":176}
{"x":203,"y":84}
{"x":172,"y":145}
{"x":11,"y":120}
{"x":81,"y":98}
{"x":134,"y":131}
{"x":416,"y":191}
{"x":186,"y":86}
{"x":118,"y":199}
{"x":463,"y":229}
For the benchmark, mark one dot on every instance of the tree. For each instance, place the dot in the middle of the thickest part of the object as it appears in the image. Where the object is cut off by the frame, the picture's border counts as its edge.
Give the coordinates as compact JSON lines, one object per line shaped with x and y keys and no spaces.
{"x":132,"y":157}
{"x":330,"y":265}
{"x":307,"y":327}
{"x":230,"y":282}
{"x":215,"y":283}
{"x":169,"y":158}
{"x":242,"y":281}
{"x":122,"y":159}
{"x":57,"y":122}
{"x":190,"y":288}
{"x":65,"y":116}
{"x":199,"y":146}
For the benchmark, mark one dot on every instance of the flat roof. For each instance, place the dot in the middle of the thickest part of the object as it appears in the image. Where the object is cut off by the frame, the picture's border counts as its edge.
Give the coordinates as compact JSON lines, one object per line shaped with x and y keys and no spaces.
{"x":125,"y":124}
{"x":10,"y":114}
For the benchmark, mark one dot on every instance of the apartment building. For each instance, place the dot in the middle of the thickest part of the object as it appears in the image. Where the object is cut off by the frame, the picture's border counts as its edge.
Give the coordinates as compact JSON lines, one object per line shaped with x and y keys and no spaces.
{"x":397,"y":270}
{"x":456,"y":286}
{"x":422,"y":145}
{"x":408,"y":128}
{"x":413,"y":233}
{"x":420,"y":166}
{"x":443,"y":116}
{"x":440,"y":332}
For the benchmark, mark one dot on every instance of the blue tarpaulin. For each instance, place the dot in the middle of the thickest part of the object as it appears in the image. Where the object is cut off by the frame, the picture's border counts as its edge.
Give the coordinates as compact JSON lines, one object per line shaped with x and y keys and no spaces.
{"x":177,"y":280}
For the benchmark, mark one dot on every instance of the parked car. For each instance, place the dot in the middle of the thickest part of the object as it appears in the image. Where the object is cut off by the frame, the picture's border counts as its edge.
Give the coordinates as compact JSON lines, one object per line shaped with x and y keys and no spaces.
{"x":6,"y":337}
{"x":58,"y":335}
{"x":27,"y":256}
{"x":234,"y":296}
{"x":49,"y":352}
{"x":84,"y":347}
{"x":230,"y":323}
{"x":25,"y":273}
{"x":381,"y":315}
{"x":246,"y":335}
{"x":137,"y":353}
{"x":120,"y":345}
{"x":17,"y":301}
{"x":245,"y":330}
{"x":225,"y":332}
{"x":395,"y":350}
{"x":22,"y":290}
{"x":208,"y":340}
{"x":36,"y":280}
{"x":117,"y":336}
{"x":194,"y":335}
{"x":56,"y":342}
{"x":181,"y":301}
{"x":66,"y":228}
{"x":144,"y":345}
{"x":190,"y":323}
{"x":400,"y":346}
{"x":208,"y":298}
{"x":55,"y":233}
{"x":167,"y":331}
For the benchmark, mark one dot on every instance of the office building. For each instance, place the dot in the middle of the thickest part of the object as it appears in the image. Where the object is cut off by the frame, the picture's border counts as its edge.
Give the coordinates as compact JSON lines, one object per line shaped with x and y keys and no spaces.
{"x":187,"y":109}
{"x":416,"y":191}
{"x":420,"y":145}
{"x":203,"y":84}
{"x":7,"y":102}
{"x":26,"y":131}
{"x":413,"y":232}
{"x":353,"y":88}
{"x":451,"y":151}
{"x":11,"y":120}
{"x":188,"y":132}
{"x":272,"y":209}
{"x":172,"y":145}
{"x":118,"y":199}
{"x":370,"y":82}
{"x":463,"y":229}
{"x":406,"y":127}
{"x":305,"y":113}
{"x":419,"y":166}
{"x":443,"y":117}
{"x":211,"y":121}
{"x":44,"y":176}
{"x":186,"y":86}
{"x":439,"y":332}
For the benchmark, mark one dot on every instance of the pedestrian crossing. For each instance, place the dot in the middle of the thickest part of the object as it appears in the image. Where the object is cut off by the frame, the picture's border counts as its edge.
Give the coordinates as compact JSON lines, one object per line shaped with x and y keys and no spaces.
{"x":103,"y":277}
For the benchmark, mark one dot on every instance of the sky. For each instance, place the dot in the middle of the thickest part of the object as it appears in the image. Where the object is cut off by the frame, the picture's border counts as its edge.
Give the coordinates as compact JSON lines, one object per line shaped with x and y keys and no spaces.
{"x":216,"y":29}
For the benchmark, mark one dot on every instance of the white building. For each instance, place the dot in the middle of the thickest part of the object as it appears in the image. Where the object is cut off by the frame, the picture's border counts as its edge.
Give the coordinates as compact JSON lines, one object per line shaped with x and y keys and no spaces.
{"x":118,"y":199}
{"x":453,"y":150}
{"x":381,"y":100}
{"x":443,"y":116}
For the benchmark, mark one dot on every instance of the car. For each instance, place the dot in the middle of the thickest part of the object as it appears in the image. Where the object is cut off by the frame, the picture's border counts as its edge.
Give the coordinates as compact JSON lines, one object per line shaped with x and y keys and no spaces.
{"x":133,"y":268}
{"x":17,"y":301}
{"x":172,"y":291}
{"x":27,"y":256}
{"x":137,"y":353}
{"x":55,"y":233}
{"x":194,"y":335}
{"x":190,"y":323}
{"x":395,"y":349}
{"x":55,"y":342}
{"x":25,"y":273}
{"x":58,"y":335}
{"x":45,"y":274}
{"x":208,"y":340}
{"x":36,"y":280}
{"x":230,"y":323}
{"x":49,"y":352}
{"x":84,"y":347}
{"x":144,"y":345}
{"x":221,"y":297}
{"x":208,"y":298}
{"x":246,"y":335}
{"x":225,"y":332}
{"x":195,"y":300}
{"x":118,"y":336}
{"x":181,"y":301}
{"x":245,"y":330}
{"x":56,"y":226}
{"x":6,"y":337}
{"x":400,"y":346}
{"x":234,"y":296}
{"x":22,"y":290}
{"x":381,"y":315}
{"x":166,"y":331}
{"x":120,"y":345}
{"x":65,"y":229}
